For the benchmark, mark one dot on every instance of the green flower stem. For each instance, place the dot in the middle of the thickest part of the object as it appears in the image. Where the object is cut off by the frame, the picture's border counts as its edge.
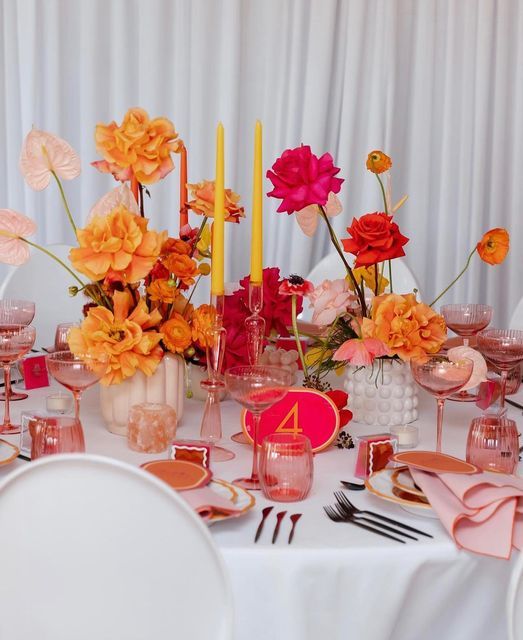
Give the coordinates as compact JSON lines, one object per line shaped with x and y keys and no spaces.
{"x":383,"y":193}
{"x":64,"y":200}
{"x":199,"y":234}
{"x":297,"y":337}
{"x":56,"y":258}
{"x":390,"y":276}
{"x":455,"y":279}
{"x":191,"y":294}
{"x":336,"y":244}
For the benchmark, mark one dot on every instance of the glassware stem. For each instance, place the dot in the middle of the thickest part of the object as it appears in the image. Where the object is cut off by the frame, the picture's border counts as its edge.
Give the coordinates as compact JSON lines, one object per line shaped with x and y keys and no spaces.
{"x":503,"y":385}
{"x":465,"y":342}
{"x":211,"y":426}
{"x":255,"y":324}
{"x":76,"y":396}
{"x":441,"y":403}
{"x":255,"y":427}
{"x":7,"y":388}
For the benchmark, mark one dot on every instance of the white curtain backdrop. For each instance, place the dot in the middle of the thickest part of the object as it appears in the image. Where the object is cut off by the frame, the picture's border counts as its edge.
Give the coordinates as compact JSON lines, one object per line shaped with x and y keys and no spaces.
{"x":436,"y":84}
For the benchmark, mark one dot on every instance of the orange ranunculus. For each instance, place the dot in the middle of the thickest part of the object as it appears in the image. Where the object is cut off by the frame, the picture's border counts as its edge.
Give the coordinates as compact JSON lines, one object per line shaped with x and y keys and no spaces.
{"x":129,"y":339}
{"x":118,"y":243}
{"x":175,"y":245}
{"x":139,"y":147}
{"x":203,"y":203}
{"x":163,"y":290}
{"x":201,"y":321}
{"x":378,"y":162}
{"x":494,"y":246}
{"x":182,"y":267}
{"x":409,"y":329}
{"x":177,"y":334}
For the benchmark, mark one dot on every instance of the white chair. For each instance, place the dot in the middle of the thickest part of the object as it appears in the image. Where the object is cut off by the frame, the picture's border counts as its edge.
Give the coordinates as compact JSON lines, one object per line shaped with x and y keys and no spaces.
{"x":515,"y":602}
{"x":43,"y":281}
{"x":516,"y":320}
{"x":96,"y":548}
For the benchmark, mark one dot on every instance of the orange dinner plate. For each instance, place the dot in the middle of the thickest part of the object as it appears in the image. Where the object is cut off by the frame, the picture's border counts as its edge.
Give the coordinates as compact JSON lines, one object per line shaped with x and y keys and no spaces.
{"x":434,"y":462}
{"x":179,"y":474}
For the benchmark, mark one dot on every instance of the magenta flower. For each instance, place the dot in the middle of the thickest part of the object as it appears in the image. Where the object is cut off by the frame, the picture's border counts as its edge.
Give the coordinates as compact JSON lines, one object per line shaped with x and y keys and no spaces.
{"x":360,"y":353}
{"x":300,"y":178}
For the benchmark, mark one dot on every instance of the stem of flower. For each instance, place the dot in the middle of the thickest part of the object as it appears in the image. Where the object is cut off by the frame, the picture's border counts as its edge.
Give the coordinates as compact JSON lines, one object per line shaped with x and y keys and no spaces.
{"x":199,"y":234}
{"x":383,"y":193}
{"x":297,"y":337}
{"x":191,"y":294}
{"x":52,"y":255}
{"x":336,"y":244}
{"x":140,"y":191}
{"x":455,"y":279}
{"x":390,"y":276}
{"x":376,"y":278}
{"x":64,"y":201}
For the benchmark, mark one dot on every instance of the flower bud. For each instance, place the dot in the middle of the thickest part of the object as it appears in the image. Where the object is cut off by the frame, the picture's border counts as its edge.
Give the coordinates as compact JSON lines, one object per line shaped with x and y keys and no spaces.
{"x":73,"y":291}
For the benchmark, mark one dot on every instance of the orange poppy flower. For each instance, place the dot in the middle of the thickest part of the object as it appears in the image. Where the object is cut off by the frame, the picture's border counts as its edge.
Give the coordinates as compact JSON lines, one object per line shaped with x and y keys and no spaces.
{"x":494,"y":246}
{"x":378,"y":162}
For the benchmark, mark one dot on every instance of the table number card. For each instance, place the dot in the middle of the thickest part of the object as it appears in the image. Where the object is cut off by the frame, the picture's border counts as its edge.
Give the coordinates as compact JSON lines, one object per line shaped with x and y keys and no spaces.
{"x":301,"y":411}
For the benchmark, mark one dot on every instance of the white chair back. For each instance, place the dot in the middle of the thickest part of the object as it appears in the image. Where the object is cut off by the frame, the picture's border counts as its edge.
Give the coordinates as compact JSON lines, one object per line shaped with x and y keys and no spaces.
{"x":96,"y":548}
{"x":515,"y":602}
{"x":516,"y":321}
{"x":46,"y":283}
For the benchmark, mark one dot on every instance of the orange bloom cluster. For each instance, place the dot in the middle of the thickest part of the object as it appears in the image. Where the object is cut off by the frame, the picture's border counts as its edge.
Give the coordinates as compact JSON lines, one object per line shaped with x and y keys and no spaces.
{"x":408,"y":328}
{"x":139,"y":147}
{"x":203,"y":202}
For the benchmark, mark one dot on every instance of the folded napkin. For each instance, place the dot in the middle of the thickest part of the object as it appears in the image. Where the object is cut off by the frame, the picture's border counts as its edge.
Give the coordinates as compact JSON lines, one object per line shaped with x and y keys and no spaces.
{"x":207,"y":503}
{"x":482,"y":512}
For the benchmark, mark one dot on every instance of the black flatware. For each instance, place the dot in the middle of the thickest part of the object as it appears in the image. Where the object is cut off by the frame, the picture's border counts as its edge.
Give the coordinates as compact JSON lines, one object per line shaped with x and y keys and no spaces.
{"x":514,"y":404}
{"x":279,"y":518}
{"x":265,"y":513}
{"x":353,"y":486}
{"x":294,"y":519}
{"x":336,"y":517}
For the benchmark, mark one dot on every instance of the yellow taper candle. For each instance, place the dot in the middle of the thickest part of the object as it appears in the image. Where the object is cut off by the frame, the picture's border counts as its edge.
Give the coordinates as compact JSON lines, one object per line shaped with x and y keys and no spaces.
{"x":217,"y":288}
{"x":257,"y":209}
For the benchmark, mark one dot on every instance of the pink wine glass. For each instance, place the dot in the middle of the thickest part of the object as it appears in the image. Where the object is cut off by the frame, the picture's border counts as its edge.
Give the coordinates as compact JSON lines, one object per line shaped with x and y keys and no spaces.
{"x":76,"y":373}
{"x":16,"y":312}
{"x":503,"y":348}
{"x":15,"y":341}
{"x":441,"y":377}
{"x":256,"y":387}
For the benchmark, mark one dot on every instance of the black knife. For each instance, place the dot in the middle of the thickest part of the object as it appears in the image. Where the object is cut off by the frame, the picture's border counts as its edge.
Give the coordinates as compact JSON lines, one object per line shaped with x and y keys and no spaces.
{"x":265,"y":513}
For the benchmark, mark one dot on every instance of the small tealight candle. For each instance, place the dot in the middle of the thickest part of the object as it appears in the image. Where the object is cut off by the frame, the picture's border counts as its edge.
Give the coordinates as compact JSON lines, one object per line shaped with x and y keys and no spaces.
{"x":59,"y":403}
{"x":407,"y":435}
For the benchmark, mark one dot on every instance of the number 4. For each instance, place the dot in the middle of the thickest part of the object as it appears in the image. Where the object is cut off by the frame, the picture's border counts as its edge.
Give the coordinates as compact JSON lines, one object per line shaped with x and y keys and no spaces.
{"x":291,"y":415}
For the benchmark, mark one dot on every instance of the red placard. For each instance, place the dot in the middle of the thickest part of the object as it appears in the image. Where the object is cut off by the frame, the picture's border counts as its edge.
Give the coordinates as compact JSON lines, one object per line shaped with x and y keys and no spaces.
{"x":304,"y":411}
{"x":35,"y":372}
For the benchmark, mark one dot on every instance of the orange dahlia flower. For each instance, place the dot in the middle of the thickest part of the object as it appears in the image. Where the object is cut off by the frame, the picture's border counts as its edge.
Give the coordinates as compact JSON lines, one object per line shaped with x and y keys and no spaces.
{"x":183,"y":267}
{"x":203,"y":203}
{"x":177,"y":335}
{"x":202,"y":320}
{"x":494,"y":246}
{"x":139,"y":147}
{"x":118,"y":243}
{"x":129,"y":339}
{"x":408,"y":328}
{"x":378,"y":162}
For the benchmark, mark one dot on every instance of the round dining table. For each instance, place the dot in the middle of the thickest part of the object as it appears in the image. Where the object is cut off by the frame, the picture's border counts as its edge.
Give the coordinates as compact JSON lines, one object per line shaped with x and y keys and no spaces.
{"x":335,"y":581}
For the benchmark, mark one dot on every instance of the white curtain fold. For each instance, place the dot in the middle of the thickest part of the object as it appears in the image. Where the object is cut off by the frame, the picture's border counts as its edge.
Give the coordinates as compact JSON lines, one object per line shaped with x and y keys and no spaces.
{"x":436,"y":84}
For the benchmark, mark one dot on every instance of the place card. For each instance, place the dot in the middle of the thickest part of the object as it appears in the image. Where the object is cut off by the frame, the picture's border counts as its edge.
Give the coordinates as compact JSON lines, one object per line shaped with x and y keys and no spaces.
{"x":35,"y":372}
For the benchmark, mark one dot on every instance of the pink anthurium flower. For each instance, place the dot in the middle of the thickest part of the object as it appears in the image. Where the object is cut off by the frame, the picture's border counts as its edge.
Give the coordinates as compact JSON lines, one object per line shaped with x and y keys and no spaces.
{"x":308,"y":217}
{"x":13,"y":228}
{"x":360,"y":353}
{"x":121,"y":195}
{"x":44,"y":154}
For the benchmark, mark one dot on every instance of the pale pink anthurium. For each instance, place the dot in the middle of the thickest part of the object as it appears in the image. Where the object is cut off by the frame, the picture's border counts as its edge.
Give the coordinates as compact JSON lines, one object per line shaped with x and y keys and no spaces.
{"x":121,"y":195}
{"x":13,"y":227}
{"x":43,"y":153}
{"x":308,"y":217}
{"x":360,"y":353}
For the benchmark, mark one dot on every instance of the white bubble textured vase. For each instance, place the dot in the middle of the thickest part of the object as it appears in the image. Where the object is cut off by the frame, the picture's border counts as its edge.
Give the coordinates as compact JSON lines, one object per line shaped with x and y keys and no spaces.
{"x":384,"y":395}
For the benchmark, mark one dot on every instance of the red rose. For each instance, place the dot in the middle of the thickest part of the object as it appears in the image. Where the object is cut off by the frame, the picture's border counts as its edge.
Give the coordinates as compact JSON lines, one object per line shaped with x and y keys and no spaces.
{"x":300,"y":178}
{"x":375,"y":238}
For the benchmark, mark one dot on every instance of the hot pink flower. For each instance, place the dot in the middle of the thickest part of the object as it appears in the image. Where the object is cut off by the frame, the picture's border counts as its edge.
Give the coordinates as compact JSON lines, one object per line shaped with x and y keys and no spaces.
{"x":360,"y":353}
{"x":300,"y":178}
{"x":13,"y":227}
{"x":44,"y":153}
{"x":329,"y":300}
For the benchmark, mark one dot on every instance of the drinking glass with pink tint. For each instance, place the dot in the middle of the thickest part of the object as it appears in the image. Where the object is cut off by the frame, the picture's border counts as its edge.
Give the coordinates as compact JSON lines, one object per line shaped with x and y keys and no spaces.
{"x":61,"y":334}
{"x":256,"y":387}
{"x":492,"y":444}
{"x":15,"y":341}
{"x":441,"y":377}
{"x":56,"y":434}
{"x":286,"y":467}
{"x":503,"y":348}
{"x":76,"y":373}
{"x":16,"y":312}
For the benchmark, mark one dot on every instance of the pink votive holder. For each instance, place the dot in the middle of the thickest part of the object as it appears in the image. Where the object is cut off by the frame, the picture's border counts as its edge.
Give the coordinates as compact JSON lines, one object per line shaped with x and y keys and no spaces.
{"x":151,"y":427}
{"x":492,"y":444}
{"x":55,"y":434}
{"x":286,"y":467}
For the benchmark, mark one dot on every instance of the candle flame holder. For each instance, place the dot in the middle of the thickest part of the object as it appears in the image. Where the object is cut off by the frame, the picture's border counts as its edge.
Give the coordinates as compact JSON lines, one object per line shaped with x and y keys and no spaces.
{"x":255,"y":324}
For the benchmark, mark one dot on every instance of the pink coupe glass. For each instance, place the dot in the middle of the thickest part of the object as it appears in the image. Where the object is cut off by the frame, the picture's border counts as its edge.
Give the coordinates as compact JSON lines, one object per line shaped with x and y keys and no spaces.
{"x":441,"y":377}
{"x":16,"y":312}
{"x":256,"y":387}
{"x":76,"y":373}
{"x":503,"y":348}
{"x":286,"y":467}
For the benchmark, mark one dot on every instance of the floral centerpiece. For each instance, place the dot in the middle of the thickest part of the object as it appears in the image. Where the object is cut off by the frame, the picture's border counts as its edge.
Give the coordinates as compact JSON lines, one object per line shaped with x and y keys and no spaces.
{"x":361,"y":321}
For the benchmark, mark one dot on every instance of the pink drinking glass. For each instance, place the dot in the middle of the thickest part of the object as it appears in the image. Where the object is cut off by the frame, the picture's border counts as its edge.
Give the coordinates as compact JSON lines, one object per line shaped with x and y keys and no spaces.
{"x":492,"y":444}
{"x":15,"y":341}
{"x":441,"y":377}
{"x":256,"y":387}
{"x":76,"y":373}
{"x":503,"y":348}
{"x":57,"y":434}
{"x":16,"y":312}
{"x":286,"y":467}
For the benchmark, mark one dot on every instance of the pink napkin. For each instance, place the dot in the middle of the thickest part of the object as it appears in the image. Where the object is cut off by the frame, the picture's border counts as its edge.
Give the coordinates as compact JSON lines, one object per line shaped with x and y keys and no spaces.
{"x":482,"y":512}
{"x":208,"y":503}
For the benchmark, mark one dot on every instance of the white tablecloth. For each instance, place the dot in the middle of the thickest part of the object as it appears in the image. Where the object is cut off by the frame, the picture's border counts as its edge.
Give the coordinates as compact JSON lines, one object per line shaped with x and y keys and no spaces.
{"x":337,"y":581}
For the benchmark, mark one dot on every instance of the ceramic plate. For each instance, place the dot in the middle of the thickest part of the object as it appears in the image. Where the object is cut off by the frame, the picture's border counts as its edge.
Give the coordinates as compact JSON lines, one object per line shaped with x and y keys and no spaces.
{"x":434,"y":462}
{"x":380,"y":484}
{"x":402,"y":479}
{"x":8,"y":452}
{"x":179,"y":474}
{"x":242,"y":499}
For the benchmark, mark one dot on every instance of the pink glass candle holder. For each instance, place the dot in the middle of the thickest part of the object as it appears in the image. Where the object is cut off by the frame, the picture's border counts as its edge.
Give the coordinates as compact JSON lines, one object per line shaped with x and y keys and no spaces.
{"x":151,"y":427}
{"x":492,"y":444}
{"x":56,"y":434}
{"x":286,"y":467}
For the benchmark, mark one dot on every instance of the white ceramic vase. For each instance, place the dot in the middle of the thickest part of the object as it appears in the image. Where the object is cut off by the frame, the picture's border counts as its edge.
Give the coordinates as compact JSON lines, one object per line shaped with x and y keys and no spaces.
{"x":166,"y":386}
{"x":382,"y":397}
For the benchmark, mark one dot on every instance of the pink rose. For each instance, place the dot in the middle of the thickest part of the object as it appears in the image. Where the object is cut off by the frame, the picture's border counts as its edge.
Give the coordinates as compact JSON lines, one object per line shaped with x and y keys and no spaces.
{"x":329,"y":300}
{"x":300,"y":178}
